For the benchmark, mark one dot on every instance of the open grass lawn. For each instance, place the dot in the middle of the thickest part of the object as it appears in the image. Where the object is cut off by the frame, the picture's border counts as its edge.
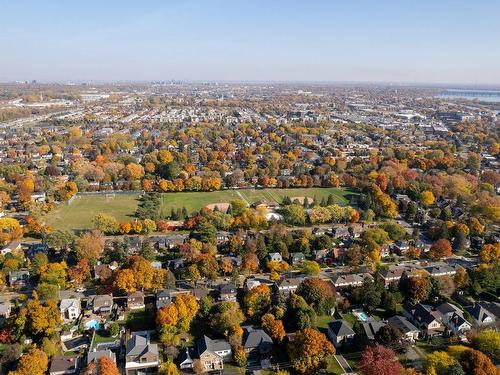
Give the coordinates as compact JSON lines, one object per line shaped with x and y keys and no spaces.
{"x":323,"y":320}
{"x":349,"y":318}
{"x":428,"y":346}
{"x":102,"y":336}
{"x":79,"y":214}
{"x":333,"y":367}
{"x":140,"y":320}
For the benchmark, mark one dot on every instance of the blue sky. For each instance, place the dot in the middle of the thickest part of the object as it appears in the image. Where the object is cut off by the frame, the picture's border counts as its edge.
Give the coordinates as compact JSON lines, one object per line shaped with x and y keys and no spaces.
{"x":255,"y":40}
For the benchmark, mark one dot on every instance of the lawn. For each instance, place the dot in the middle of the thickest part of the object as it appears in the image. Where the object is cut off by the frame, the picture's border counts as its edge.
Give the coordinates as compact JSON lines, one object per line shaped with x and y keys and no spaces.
{"x":140,"y":320}
{"x":193,"y":201}
{"x":323,"y":320}
{"x":79,"y":214}
{"x":333,"y":367}
{"x":349,"y":318}
{"x":101,"y":337}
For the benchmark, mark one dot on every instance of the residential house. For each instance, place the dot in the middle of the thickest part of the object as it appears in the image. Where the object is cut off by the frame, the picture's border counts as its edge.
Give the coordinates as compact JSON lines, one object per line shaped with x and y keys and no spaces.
{"x":385,"y":250}
{"x":440,"y":269}
{"x":453,"y":318}
{"x":95,"y":355}
{"x":321,"y":256}
{"x":371,"y":328}
{"x":275,"y":257}
{"x":428,"y":319}
{"x":288,"y":286}
{"x":135,"y":300}
{"x":297,"y":258}
{"x":141,"y":357}
{"x":222,"y":237}
{"x":227,"y":292}
{"x":102,"y":272}
{"x":185,"y":360}
{"x":484,"y":314}
{"x":401,"y":247}
{"x":102,"y":304}
{"x":13,"y":246}
{"x":256,"y":342}
{"x":212,"y":353}
{"x":393,"y":273}
{"x":342,"y":231}
{"x":340,"y":333}
{"x":5,"y":308}
{"x":352,"y":279}
{"x":70,"y":309}
{"x":163,"y":298}
{"x":405,"y":326}
{"x":64,"y":365}
{"x":19,"y":279}
{"x":252,"y":283}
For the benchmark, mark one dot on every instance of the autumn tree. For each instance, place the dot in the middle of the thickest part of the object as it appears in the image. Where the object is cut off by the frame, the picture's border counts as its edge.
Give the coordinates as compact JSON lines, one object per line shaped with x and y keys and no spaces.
{"x":490,"y":253}
{"x":125,"y":280}
{"x":90,"y":245}
{"x":318,"y":293}
{"x":106,"y":223}
{"x":10,"y":229}
{"x":419,"y":288}
{"x":225,"y":318}
{"x":438,"y":362}
{"x":308,"y":350}
{"x":379,"y":360}
{"x":80,"y":272}
{"x":311,"y":268}
{"x":427,"y":198}
{"x":250,"y":262}
{"x":440,"y":249}
{"x":488,"y":341}
{"x":169,"y":368}
{"x":107,"y":366}
{"x":35,"y":362}
{"x":257,"y":301}
{"x":274,"y":327}
{"x":476,"y":363}
{"x":42,"y":318}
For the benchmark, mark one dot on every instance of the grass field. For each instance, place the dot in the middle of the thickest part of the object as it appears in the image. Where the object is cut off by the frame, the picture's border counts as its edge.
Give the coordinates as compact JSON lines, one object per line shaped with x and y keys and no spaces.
{"x":193,"y":201}
{"x":79,"y":214}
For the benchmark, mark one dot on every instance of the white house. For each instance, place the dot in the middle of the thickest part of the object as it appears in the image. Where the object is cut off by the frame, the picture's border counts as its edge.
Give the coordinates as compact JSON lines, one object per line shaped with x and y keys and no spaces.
{"x":340,"y":333}
{"x":70,"y":309}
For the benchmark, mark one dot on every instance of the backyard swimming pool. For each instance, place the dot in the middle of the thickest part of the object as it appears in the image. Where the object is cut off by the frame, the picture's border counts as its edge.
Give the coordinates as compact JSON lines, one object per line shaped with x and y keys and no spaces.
{"x":361,"y":315}
{"x":93,"y":324}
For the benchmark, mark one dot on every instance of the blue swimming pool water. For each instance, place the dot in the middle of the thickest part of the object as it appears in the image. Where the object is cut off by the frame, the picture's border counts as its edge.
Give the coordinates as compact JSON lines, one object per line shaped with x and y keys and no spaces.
{"x":92,"y":324}
{"x":362,"y":316}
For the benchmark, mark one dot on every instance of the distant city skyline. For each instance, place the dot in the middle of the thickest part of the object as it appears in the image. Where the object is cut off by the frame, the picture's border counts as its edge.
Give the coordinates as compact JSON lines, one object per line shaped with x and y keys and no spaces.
{"x":421,"y":42}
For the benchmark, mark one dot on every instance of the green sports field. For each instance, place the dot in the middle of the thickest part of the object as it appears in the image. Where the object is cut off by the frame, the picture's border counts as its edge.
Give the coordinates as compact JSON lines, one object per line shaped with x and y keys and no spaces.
{"x":79,"y":214}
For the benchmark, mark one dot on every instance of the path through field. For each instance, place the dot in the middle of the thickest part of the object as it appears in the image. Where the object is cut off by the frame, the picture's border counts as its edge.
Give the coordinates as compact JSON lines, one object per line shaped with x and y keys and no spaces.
{"x":242,"y":197}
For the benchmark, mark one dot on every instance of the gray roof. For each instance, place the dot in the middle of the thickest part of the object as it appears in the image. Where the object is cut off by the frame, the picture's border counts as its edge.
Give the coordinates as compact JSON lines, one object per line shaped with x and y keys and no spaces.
{"x":340,"y":328}
{"x":371,"y":328}
{"x":138,"y":345}
{"x":446,"y":308}
{"x":206,"y":343}
{"x":64,"y":364}
{"x":68,"y":302}
{"x":256,"y":338}
{"x":96,"y":355}
{"x":401,"y":323}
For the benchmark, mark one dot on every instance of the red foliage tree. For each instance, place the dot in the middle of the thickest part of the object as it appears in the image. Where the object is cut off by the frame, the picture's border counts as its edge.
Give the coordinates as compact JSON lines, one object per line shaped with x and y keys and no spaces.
{"x":440,"y":249}
{"x":379,"y":360}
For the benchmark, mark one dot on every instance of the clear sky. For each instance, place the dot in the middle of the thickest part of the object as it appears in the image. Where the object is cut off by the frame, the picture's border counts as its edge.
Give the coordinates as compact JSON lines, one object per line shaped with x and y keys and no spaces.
{"x":448,"y":41}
